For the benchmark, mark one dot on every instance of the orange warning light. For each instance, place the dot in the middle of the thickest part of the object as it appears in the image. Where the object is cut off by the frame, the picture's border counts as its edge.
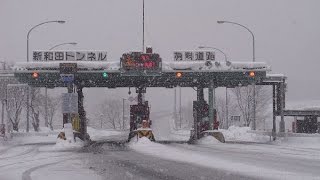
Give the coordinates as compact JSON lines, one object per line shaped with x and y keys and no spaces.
{"x":252,"y":74}
{"x":179,"y":74}
{"x":35,"y":75}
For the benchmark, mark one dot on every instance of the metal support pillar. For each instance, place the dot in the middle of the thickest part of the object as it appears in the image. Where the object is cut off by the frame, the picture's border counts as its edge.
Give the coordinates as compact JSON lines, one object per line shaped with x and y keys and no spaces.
{"x":200,"y":97}
{"x":175,"y":107}
{"x":274,"y":112}
{"x":82,"y":115}
{"x":28,"y":103}
{"x":254,"y":126}
{"x":180,"y":115}
{"x":46,"y":107}
{"x":227,"y":109}
{"x":282,"y":124}
{"x":211,"y":104}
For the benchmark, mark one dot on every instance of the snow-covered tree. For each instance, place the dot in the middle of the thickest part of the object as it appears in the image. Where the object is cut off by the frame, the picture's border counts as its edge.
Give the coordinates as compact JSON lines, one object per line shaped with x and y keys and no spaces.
{"x":36,"y":102}
{"x":245,"y":100}
{"x":110,"y":113}
{"x":16,"y":98}
{"x":53,"y":105}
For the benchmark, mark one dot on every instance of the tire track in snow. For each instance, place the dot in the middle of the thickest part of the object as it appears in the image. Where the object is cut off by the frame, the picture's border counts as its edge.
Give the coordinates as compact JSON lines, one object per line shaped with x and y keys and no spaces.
{"x":25,"y":152}
{"x":26,"y":175}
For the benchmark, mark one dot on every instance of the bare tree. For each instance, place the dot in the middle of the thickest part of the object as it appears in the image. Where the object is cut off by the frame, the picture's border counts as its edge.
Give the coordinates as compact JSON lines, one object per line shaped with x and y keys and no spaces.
{"x":111,"y":111}
{"x":36,"y":102}
{"x":244,"y":101}
{"x":53,"y":105}
{"x":15,"y":102}
{"x":187,"y":115}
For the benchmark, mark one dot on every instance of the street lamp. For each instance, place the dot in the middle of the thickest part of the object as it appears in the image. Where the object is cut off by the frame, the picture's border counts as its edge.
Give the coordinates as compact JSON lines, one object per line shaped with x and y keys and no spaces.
{"x":253,"y":60}
{"x":253,"y":44}
{"x":71,"y":43}
{"x":46,"y":22}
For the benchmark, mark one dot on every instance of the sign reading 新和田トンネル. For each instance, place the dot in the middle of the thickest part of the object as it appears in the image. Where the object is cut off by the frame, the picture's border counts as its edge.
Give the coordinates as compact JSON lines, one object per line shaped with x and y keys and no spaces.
{"x":194,"y":56}
{"x":69,"y":56}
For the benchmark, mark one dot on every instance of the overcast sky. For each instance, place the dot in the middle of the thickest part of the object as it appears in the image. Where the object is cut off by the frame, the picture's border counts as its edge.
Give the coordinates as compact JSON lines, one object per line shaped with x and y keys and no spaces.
{"x":287,"y":32}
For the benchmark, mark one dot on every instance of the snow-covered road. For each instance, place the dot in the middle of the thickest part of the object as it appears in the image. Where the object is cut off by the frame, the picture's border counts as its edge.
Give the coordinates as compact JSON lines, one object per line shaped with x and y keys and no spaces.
{"x":38,"y":161}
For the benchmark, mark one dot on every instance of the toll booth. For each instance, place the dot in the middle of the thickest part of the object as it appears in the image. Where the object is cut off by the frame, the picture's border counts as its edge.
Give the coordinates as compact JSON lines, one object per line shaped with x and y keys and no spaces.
{"x":306,"y":124}
{"x":305,"y":121}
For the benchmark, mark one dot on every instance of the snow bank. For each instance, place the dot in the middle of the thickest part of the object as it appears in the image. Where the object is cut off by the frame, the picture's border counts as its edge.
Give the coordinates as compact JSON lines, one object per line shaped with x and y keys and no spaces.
{"x":300,"y":142}
{"x":208,"y":140}
{"x":235,"y":133}
{"x":188,"y":156}
{"x":98,"y":135}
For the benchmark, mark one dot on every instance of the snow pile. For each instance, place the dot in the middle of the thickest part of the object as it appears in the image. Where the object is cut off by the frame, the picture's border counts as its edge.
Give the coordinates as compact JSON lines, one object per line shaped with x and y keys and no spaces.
{"x":208,"y":140}
{"x":98,"y":135}
{"x":202,"y":159}
{"x":67,"y":145}
{"x":235,"y":133}
{"x":300,"y":142}
{"x":143,"y":141}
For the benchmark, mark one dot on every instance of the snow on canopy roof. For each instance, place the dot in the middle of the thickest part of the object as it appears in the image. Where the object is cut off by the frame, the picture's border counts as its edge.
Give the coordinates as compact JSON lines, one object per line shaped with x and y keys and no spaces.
{"x":214,"y":66}
{"x":90,"y":65}
{"x":304,"y":105}
{"x":166,"y":66}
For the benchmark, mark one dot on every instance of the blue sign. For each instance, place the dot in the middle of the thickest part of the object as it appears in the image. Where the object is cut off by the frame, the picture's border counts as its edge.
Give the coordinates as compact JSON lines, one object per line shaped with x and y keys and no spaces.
{"x":67,"y":78}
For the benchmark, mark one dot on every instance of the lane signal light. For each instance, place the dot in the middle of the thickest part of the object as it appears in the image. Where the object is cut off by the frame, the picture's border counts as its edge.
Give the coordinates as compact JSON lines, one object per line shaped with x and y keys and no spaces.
{"x":105,"y":75}
{"x":35,"y":75}
{"x":252,"y":74}
{"x":178,"y":74}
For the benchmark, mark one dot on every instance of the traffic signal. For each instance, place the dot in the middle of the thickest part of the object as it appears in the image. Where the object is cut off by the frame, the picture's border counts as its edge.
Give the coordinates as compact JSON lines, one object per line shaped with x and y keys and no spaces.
{"x":105,"y":75}
{"x":252,"y":74}
{"x":35,"y":75}
{"x":178,"y":74}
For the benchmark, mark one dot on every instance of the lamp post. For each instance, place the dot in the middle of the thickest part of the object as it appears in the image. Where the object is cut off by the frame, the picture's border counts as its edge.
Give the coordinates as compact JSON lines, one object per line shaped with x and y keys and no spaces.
{"x":253,"y":60}
{"x":46,"y":22}
{"x":71,"y":43}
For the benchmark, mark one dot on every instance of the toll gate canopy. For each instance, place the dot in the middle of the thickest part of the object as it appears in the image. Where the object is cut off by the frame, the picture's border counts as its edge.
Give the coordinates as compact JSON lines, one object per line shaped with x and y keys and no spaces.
{"x":170,"y":74}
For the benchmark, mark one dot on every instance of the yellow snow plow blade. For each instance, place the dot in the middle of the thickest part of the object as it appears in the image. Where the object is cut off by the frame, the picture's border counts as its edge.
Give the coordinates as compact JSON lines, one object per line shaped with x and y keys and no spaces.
{"x":145,"y":133}
{"x":216,"y":134}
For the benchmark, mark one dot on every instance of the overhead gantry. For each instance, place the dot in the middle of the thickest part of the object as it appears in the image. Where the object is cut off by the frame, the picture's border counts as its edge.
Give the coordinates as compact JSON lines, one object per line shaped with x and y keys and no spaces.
{"x":200,"y":75}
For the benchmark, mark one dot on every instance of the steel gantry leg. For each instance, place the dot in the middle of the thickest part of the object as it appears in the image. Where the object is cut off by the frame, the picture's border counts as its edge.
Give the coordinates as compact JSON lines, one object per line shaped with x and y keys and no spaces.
{"x":197,"y":117}
{"x":282,"y":123}
{"x":82,"y":115}
{"x":211,"y":104}
{"x":274,"y":112}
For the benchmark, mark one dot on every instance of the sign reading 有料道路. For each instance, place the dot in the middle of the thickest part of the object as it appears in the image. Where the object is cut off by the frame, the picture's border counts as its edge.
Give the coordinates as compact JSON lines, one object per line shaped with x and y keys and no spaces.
{"x":69,"y":56}
{"x":194,"y":56}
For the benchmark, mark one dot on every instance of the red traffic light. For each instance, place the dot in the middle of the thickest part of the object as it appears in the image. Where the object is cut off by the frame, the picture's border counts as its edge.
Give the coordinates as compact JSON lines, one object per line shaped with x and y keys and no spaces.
{"x":35,"y":75}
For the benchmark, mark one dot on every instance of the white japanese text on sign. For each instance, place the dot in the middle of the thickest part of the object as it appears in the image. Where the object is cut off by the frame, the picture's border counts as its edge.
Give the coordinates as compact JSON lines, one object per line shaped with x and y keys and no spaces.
{"x":194,"y":56}
{"x":69,"y":56}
